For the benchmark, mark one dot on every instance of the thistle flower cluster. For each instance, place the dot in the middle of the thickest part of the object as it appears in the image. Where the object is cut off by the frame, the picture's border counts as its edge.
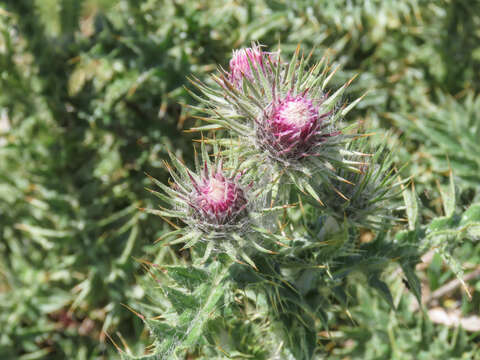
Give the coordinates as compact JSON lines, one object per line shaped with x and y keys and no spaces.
{"x":285,"y":128}
{"x":281,"y":116}
{"x":284,"y":140}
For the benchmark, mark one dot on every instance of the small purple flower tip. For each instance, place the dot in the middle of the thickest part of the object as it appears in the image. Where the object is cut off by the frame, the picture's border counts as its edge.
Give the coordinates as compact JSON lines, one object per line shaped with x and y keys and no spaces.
{"x":240,"y":67}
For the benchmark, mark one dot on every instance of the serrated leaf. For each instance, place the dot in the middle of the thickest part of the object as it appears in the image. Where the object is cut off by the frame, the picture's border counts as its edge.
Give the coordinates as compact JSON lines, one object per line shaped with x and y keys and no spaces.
{"x":375,"y":282}
{"x":179,"y":300}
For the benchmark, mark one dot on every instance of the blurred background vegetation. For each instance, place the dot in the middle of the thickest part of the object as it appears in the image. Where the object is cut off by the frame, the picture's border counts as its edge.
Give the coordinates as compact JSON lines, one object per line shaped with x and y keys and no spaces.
{"x":90,"y":101}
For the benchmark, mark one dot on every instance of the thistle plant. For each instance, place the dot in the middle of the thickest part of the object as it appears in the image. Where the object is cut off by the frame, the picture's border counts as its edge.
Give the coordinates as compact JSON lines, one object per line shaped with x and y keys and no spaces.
{"x":249,"y":246}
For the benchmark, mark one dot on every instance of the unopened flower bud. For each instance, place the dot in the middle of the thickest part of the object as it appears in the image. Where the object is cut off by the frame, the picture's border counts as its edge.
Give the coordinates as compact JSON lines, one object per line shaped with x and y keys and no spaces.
{"x":219,"y":199}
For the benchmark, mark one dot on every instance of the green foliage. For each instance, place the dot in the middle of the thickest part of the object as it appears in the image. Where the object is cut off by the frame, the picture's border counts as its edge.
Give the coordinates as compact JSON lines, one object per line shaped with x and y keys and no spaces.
{"x":407,"y":335}
{"x":303,"y":279}
{"x":90,"y":102}
{"x":446,"y":133}
{"x":75,"y":144}
{"x":194,"y":303}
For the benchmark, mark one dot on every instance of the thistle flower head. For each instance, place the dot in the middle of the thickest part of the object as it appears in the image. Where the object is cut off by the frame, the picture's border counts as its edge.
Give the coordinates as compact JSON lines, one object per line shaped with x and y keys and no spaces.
{"x":218,"y":205}
{"x":291,"y":127}
{"x":212,"y":200}
{"x":240,"y":64}
{"x":217,"y":199}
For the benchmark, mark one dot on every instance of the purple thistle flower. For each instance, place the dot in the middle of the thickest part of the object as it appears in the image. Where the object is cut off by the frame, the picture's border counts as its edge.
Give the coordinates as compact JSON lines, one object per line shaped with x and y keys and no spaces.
{"x":217,"y":199}
{"x":294,"y":119}
{"x":292,"y":127}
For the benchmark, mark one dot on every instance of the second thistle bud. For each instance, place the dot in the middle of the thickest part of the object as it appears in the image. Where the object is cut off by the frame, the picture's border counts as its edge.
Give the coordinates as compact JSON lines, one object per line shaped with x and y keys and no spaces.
{"x":218,"y":200}
{"x":218,"y":207}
